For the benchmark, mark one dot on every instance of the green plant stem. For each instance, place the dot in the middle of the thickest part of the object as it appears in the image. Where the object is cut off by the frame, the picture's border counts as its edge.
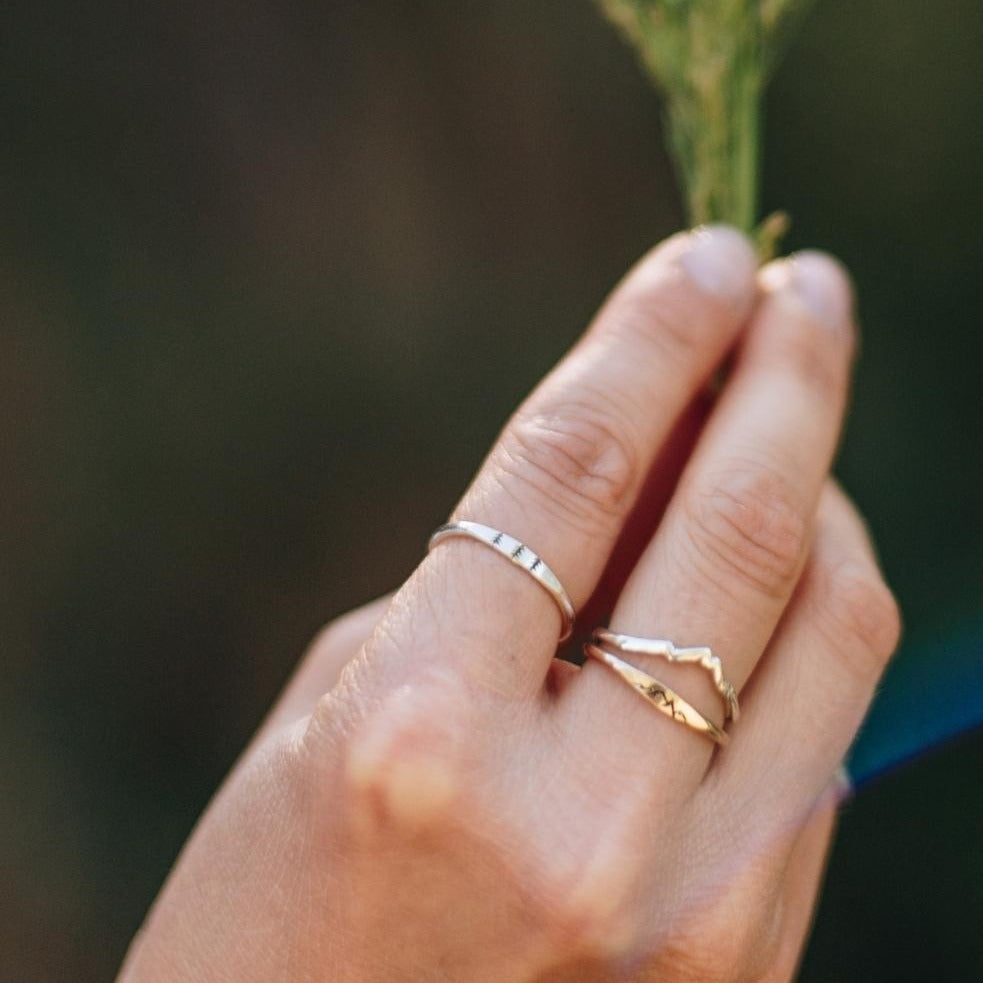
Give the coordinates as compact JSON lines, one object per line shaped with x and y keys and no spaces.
{"x":746,"y":145}
{"x":711,"y":59}
{"x":713,"y":119}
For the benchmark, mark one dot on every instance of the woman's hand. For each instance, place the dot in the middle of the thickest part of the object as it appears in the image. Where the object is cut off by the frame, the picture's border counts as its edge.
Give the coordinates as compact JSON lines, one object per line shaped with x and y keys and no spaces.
{"x":436,"y":798}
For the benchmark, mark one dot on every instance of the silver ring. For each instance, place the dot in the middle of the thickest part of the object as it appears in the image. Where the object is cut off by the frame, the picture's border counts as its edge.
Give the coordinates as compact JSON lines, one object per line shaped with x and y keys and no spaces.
{"x":519,"y":554}
{"x":633,"y":645}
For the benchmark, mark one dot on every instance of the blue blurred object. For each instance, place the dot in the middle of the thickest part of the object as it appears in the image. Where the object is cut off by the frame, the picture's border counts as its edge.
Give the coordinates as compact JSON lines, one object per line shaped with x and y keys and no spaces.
{"x":933,"y":693}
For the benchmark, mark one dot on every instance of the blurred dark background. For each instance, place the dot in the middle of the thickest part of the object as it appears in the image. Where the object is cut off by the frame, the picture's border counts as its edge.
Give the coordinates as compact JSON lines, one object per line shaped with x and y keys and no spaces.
{"x":272,"y":274}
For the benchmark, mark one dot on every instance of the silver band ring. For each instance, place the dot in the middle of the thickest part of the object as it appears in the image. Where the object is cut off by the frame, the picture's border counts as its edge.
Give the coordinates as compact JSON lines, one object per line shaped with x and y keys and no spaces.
{"x":519,"y":554}
{"x":634,"y":645}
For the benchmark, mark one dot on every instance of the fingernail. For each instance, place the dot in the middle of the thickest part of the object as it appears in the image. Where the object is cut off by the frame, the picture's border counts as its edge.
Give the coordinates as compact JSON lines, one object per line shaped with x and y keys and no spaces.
{"x":720,"y":261}
{"x":823,"y":287}
{"x":844,"y":787}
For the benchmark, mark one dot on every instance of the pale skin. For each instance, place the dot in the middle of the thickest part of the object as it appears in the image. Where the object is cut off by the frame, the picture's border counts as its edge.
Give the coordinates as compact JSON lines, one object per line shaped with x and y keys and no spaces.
{"x":436,"y":798}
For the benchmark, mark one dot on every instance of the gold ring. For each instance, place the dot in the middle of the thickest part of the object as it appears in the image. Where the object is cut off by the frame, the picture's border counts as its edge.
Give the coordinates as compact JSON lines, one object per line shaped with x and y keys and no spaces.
{"x":633,"y":645}
{"x":658,"y":694}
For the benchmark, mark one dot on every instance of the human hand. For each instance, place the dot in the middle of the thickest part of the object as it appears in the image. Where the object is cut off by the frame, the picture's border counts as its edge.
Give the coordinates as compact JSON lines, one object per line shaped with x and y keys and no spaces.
{"x":436,"y":798}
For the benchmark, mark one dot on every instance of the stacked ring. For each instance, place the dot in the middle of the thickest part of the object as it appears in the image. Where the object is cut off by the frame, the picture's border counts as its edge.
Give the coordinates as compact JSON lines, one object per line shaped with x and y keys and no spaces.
{"x":605,"y":646}
{"x":634,"y":645}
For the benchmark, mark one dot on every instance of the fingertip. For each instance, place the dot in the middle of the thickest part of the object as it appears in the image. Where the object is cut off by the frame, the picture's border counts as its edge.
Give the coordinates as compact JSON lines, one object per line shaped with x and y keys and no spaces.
{"x":817,"y":281}
{"x":842,"y":785}
{"x":721,"y":262}
{"x":718,"y":260}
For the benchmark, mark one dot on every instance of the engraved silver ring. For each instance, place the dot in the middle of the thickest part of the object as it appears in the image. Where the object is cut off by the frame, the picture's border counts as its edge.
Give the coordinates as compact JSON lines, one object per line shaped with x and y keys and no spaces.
{"x":521,"y":555}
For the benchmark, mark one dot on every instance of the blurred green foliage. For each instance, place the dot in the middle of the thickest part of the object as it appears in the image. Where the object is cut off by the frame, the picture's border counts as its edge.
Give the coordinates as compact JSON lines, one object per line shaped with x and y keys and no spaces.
{"x":711,"y":61}
{"x":272,"y":274}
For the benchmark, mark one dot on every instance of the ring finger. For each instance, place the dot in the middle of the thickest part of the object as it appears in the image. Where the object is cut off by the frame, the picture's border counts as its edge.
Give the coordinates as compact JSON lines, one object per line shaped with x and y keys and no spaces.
{"x":723,"y":564}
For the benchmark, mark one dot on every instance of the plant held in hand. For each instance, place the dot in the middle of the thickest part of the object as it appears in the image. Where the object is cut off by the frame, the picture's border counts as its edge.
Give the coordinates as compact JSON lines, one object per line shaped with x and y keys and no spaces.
{"x":712,"y":60}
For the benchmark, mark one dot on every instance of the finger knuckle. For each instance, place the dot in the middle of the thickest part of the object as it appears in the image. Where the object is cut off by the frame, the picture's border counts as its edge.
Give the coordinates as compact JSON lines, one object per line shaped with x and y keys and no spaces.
{"x":696,"y":961}
{"x":402,"y":762}
{"x":694,"y":958}
{"x":712,"y":946}
{"x":593,"y":917}
{"x":595,"y":903}
{"x":860,"y":607}
{"x":749,"y":522}
{"x":576,"y":458}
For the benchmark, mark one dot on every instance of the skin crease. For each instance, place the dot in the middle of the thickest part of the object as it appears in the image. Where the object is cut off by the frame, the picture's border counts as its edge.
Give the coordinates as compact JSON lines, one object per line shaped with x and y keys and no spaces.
{"x":434,"y":797}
